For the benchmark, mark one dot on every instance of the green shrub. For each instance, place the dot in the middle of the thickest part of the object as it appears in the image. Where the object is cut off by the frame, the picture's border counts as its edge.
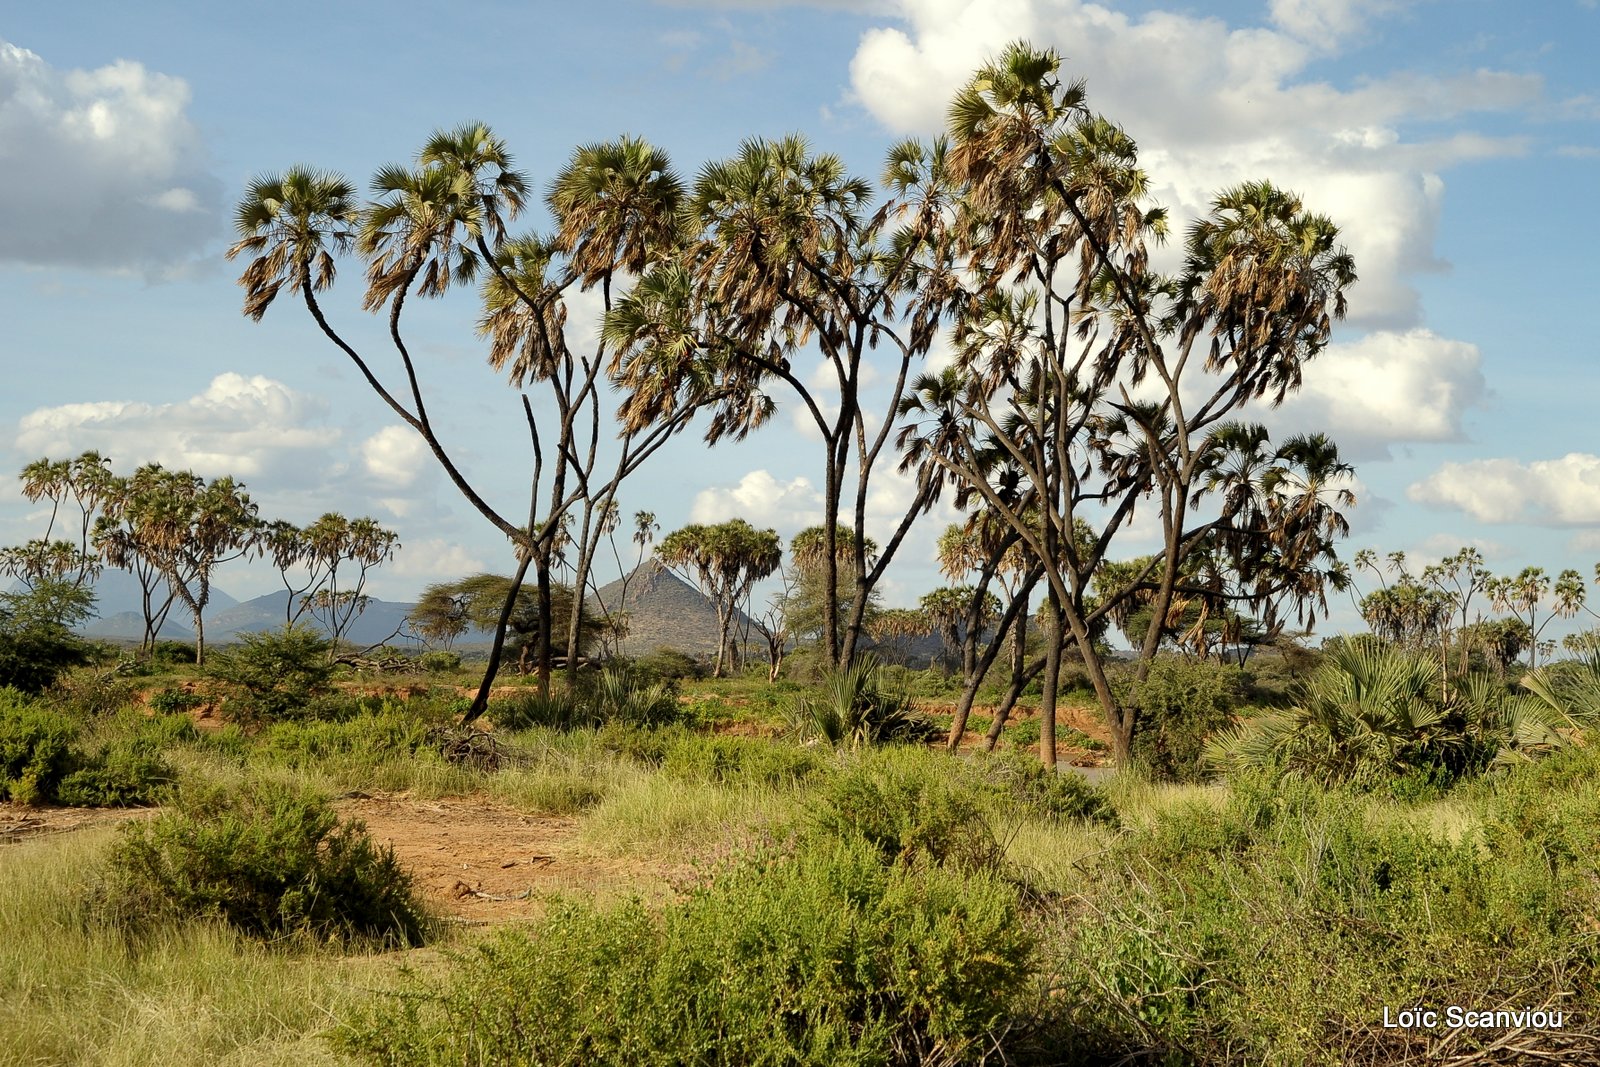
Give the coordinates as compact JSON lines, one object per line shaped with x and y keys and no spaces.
{"x":277,"y":673}
{"x":669,"y":665}
{"x":856,"y":706}
{"x":159,"y":732}
{"x":1024,"y":733}
{"x":121,"y":776}
{"x":271,"y":860}
{"x":370,"y":737}
{"x":1022,"y":780}
{"x":909,"y":809}
{"x":172,"y":653}
{"x":615,"y":695}
{"x":561,"y":710}
{"x":32,"y":660}
{"x":740,"y":760}
{"x":91,"y":692}
{"x":36,"y":750}
{"x":822,"y":958}
{"x":172,"y":699}
{"x":440,"y":662}
{"x":1182,"y":703}
{"x":1264,"y":930}
{"x":41,"y":762}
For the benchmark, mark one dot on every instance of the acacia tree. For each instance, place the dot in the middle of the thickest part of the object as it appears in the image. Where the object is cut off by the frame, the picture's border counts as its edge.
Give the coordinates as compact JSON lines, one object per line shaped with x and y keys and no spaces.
{"x":725,"y":561}
{"x":182,"y":528}
{"x":1102,"y":381}
{"x":443,"y":223}
{"x":439,"y":616}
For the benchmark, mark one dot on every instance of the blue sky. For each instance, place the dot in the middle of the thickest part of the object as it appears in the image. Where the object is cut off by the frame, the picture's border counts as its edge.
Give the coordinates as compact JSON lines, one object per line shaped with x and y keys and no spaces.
{"x":1459,"y":150}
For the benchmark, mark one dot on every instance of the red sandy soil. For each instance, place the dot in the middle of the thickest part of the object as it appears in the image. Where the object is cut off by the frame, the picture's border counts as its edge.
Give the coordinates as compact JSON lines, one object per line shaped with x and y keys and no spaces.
{"x":474,"y":861}
{"x":480,"y":861}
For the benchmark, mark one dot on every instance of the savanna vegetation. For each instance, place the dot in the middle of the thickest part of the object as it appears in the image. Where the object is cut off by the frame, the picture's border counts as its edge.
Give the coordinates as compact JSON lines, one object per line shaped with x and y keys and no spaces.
{"x":814,"y":852}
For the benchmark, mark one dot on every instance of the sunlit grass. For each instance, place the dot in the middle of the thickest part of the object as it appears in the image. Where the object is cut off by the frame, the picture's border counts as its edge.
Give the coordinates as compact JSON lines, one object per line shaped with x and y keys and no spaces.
{"x":74,"y":990}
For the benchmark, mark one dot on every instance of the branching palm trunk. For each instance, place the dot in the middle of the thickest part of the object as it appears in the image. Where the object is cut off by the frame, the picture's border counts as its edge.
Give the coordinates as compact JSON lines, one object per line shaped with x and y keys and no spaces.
{"x":480,"y":702}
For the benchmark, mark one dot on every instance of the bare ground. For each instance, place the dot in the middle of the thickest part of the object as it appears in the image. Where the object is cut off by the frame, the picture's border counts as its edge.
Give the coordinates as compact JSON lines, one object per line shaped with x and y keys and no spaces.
{"x":479,"y":861}
{"x":474,"y":860}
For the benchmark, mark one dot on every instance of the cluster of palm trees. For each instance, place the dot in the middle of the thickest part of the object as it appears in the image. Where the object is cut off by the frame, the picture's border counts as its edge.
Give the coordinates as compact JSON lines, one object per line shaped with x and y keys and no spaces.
{"x":1442,"y":609}
{"x":172,"y":529}
{"x":1087,"y":386}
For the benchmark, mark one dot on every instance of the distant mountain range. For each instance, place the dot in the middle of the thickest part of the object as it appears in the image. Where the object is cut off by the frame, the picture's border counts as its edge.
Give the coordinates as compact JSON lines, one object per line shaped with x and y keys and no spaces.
{"x":664,"y":611}
{"x":118,"y":600}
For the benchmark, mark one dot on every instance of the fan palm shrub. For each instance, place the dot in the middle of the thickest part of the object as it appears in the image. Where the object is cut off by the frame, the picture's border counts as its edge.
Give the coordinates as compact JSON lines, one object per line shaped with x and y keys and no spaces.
{"x":856,"y":706}
{"x":1374,"y":711}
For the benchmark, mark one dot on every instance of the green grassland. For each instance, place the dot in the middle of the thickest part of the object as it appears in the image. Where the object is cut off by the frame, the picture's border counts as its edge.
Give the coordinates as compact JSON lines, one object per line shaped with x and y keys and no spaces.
{"x":848,"y":903}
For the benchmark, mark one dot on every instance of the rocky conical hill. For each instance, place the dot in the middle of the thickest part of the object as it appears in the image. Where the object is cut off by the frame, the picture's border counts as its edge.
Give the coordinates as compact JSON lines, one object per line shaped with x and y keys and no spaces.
{"x":664,"y":611}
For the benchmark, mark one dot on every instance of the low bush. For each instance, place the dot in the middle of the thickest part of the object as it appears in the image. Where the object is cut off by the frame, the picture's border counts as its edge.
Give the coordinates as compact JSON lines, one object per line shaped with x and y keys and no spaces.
{"x":172,"y":653}
{"x":615,"y":695}
{"x":367,"y":737}
{"x":1264,"y":930}
{"x":911,"y":808}
{"x":275,"y":674}
{"x":825,"y":957}
{"x":36,"y":750}
{"x":1182,"y":703}
{"x":855,"y":706}
{"x":41,"y":761}
{"x":271,"y":860}
{"x":668,"y":665}
{"x":91,"y":692}
{"x":1021,"y":780}
{"x":117,"y":777}
{"x":740,"y":760}
{"x":439,"y":661}
{"x":173,"y":699}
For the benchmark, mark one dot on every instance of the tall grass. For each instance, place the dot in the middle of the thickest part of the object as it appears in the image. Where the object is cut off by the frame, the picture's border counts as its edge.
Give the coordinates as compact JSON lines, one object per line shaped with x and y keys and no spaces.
{"x":73,"y":991}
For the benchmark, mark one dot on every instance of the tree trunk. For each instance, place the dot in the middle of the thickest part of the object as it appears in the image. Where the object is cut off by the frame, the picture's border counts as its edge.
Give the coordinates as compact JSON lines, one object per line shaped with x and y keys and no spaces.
{"x":480,"y":703}
{"x":724,"y":624}
{"x":1019,"y":677}
{"x":589,"y":540}
{"x":1052,"y":680}
{"x":546,"y":623}
{"x":1015,"y":620}
{"x":830,"y":552}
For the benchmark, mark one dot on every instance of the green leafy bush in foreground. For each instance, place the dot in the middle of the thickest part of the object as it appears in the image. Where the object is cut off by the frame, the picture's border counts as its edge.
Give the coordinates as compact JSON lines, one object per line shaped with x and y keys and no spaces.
{"x":35,"y":750}
{"x":271,"y":860}
{"x":1275,"y":928}
{"x":827,"y":957}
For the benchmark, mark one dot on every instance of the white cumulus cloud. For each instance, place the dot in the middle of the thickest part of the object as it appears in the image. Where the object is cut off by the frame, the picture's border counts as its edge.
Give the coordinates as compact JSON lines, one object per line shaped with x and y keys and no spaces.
{"x":395,"y":456}
{"x":1213,"y":105}
{"x":1387,"y":388}
{"x":1548,"y":492}
{"x":763,"y":501}
{"x":247,"y":427}
{"x":104,"y":168}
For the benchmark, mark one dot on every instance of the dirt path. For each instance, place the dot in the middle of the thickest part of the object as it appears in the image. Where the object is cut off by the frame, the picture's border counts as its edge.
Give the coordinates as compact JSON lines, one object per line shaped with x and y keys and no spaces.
{"x":485,"y":862}
{"x":473,"y":860}
{"x":18,"y":823}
